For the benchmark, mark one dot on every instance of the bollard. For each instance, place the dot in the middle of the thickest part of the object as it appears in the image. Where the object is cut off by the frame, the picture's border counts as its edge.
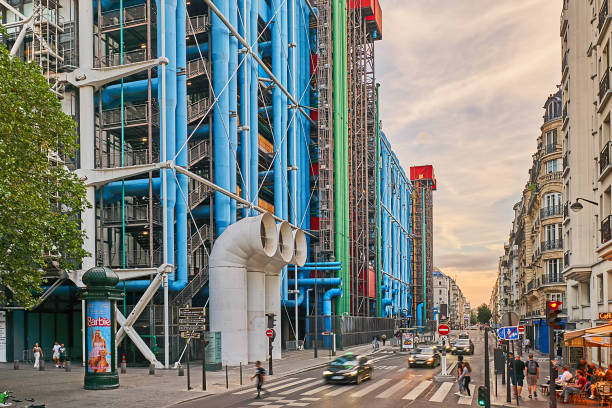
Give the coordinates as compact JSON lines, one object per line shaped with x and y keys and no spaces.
{"x":123,"y":365}
{"x":226,"y":378}
{"x":181,"y":371}
{"x":67,"y":366}
{"x":151,"y":369}
{"x":241,"y":373}
{"x":41,"y":366}
{"x":16,"y":364}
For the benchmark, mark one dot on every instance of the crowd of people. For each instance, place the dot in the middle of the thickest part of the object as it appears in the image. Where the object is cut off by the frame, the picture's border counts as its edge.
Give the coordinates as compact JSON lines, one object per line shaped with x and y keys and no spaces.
{"x":587,"y":379}
{"x":58,"y":353}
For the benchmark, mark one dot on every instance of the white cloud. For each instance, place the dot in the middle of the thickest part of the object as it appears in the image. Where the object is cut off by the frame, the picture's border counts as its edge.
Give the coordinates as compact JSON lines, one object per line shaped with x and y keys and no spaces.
{"x":462,"y":88}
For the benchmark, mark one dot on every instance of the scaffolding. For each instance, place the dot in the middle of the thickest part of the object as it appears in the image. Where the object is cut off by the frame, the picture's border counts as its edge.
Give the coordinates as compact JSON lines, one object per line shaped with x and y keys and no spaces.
{"x":422,"y":218}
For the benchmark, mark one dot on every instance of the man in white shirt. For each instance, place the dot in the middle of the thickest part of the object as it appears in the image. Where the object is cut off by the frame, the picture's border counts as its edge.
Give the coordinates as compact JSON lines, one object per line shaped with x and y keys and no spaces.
{"x":526,"y":343}
{"x":56,"y":354}
{"x":566,"y":376}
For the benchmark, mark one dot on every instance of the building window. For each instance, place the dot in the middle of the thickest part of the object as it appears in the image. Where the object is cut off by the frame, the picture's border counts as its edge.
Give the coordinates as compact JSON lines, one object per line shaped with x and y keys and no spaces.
{"x":553,"y":165}
{"x":551,"y":137}
{"x":600,"y":289}
{"x":553,"y":270}
{"x":557,"y":297}
{"x":551,"y":200}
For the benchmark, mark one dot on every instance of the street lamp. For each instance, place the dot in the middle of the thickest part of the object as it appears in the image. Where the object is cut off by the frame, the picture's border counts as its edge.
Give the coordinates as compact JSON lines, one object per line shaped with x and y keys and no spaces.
{"x":576,"y":206}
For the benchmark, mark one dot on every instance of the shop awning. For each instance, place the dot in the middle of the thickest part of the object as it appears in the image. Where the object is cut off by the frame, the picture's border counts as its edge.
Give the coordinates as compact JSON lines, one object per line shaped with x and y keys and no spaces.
{"x":574,"y":338}
{"x":605,"y":330}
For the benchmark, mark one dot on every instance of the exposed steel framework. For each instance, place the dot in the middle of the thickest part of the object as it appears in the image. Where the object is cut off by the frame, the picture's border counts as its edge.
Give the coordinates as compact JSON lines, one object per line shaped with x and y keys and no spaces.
{"x":423,"y":246}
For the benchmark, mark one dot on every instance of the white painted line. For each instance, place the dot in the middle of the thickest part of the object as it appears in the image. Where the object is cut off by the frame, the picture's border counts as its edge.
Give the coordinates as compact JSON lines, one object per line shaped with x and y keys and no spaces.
{"x":309,"y":399}
{"x":402,"y":369}
{"x":442,"y":391}
{"x":259,"y":403}
{"x":280,"y":387}
{"x":418,"y":390}
{"x":370,"y":387}
{"x":300,"y":388}
{"x":392,"y":390}
{"x":339,"y":390}
{"x":298,"y":404}
{"x":467,"y":399}
{"x":316,"y":390}
{"x":253,"y":388}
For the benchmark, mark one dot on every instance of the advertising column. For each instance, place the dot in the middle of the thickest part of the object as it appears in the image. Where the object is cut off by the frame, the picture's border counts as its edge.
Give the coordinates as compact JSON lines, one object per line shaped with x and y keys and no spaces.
{"x":101,"y":326}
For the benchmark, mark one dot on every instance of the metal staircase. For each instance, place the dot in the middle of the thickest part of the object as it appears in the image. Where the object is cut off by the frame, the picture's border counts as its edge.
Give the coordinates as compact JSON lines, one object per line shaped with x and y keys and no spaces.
{"x":195,"y":284}
{"x":198,"y":238}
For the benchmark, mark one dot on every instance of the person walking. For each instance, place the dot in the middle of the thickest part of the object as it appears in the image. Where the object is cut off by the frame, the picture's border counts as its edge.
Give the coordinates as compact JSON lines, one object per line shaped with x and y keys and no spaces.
{"x":465,"y":377}
{"x":519,"y":375}
{"x":56,"y":354}
{"x":38,"y":353}
{"x":260,"y":374}
{"x":532,"y":371}
{"x":527,"y":344}
{"x":384,"y":339}
{"x":374,"y":343}
{"x":63,"y":355}
{"x":459,"y":375}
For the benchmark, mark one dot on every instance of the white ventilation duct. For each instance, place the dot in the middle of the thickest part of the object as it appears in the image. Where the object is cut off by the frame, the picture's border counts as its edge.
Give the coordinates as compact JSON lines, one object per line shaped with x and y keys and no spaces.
{"x":250,"y":241}
{"x":273,"y":283}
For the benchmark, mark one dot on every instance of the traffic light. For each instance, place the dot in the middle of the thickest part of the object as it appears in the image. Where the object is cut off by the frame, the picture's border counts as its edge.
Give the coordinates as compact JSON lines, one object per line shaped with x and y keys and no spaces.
{"x":483,"y":397}
{"x":271,"y":320}
{"x":553,"y":310}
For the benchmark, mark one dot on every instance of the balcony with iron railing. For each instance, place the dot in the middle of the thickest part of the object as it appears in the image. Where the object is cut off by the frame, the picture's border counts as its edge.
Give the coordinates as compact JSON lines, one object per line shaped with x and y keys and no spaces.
{"x":551,"y":211}
{"x":198,"y":151}
{"x":552,"y":245}
{"x":554,"y":176}
{"x":604,"y":159}
{"x":131,"y":157}
{"x":197,"y":24}
{"x":113,"y":59}
{"x":606,"y":233}
{"x":531,"y":285}
{"x":604,"y":89}
{"x":131,"y":214}
{"x":133,"y":115}
{"x":132,"y":16}
{"x":564,"y":66}
{"x":197,"y":67}
{"x":603,"y":15}
{"x":566,"y":259}
{"x":552,"y":148}
{"x":552,"y":279}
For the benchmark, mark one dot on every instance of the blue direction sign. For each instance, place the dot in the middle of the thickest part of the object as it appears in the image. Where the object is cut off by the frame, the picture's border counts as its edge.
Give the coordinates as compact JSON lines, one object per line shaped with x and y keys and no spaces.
{"x":508,"y":333}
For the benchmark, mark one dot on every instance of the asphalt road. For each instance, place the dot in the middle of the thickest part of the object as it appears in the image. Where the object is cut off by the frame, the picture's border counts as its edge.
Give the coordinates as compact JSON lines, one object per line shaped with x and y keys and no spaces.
{"x":394,"y":384}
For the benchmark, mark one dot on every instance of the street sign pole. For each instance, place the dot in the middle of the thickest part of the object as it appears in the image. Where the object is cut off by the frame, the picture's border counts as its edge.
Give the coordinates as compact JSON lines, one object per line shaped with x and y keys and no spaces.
{"x":552,"y":401}
{"x":486,"y":356}
{"x":188,"y":372}
{"x":270,"y":372}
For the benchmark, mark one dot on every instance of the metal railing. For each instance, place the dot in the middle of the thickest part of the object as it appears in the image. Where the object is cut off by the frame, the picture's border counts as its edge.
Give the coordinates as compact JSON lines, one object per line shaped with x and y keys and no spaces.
{"x":531,"y":285}
{"x":555,"y":175}
{"x":194,"y":241}
{"x":604,"y":84}
{"x":197,"y":24}
{"x":134,"y":258}
{"x":197,"y":67}
{"x":551,"y":148}
{"x":552,"y":279}
{"x":193,"y":287}
{"x":114,"y":58}
{"x":131,"y":15}
{"x":112,"y":159}
{"x":198,"y":151}
{"x":606,"y":233}
{"x":198,"y":194}
{"x":552,"y":245}
{"x":134,"y":213}
{"x":551,"y":211}
{"x":603,"y":15}
{"x":132,"y":115}
{"x":604,"y":158}
{"x":197,"y":109}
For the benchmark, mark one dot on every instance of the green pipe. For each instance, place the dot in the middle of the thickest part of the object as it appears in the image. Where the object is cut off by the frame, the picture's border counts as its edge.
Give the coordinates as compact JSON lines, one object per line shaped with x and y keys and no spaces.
{"x":378,"y":215}
{"x":123,"y":263}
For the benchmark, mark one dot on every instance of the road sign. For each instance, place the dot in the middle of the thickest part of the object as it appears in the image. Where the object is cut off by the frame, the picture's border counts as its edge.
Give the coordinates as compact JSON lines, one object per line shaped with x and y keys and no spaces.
{"x":197,"y":320}
{"x":521,"y":329}
{"x":508,"y":333}
{"x":443,"y":330}
{"x":191,"y":312}
{"x":190,"y":335}
{"x":192,"y":327}
{"x":269,"y":332}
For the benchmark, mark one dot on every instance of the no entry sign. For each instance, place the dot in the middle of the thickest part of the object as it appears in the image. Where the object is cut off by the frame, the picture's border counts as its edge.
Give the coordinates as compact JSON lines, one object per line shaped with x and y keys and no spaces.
{"x":269,"y":332}
{"x":443,"y":330}
{"x":521,"y":329}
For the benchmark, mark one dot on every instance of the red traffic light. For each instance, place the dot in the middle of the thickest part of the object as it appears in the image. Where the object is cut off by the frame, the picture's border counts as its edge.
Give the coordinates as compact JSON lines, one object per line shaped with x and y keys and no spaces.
{"x":554,"y":305}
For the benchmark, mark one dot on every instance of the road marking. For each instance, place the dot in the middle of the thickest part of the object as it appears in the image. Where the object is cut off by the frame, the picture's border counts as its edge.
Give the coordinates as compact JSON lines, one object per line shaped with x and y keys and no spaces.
{"x":392,"y":390}
{"x":338,"y":391}
{"x":442,"y":391}
{"x":467,"y":399}
{"x":316,"y":390}
{"x":259,"y":403}
{"x":402,"y":369}
{"x":309,"y":399}
{"x":300,"y":388}
{"x":370,"y":387}
{"x":280,"y":387}
{"x":414,"y":394}
{"x":251,"y":389}
{"x":298,"y":404}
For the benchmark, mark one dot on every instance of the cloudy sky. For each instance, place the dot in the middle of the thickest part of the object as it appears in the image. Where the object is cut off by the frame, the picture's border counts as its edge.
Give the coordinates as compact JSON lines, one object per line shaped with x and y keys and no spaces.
{"x":463,"y":85}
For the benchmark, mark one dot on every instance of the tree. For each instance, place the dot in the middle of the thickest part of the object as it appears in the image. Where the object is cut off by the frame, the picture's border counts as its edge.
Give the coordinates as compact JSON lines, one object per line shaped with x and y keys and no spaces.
{"x":473,"y":317}
{"x":483,"y":314}
{"x":41,"y":198}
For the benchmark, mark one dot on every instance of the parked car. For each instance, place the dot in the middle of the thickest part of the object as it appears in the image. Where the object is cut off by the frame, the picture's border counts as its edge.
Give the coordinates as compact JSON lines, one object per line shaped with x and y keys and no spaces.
{"x":349,"y":368}
{"x":463,"y":346}
{"x":424,"y":357}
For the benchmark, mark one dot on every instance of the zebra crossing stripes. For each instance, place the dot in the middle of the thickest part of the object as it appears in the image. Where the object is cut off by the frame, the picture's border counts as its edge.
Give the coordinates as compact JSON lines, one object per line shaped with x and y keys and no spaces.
{"x":317,"y":390}
{"x":440,"y":394}
{"x":418,"y":390}
{"x":338,"y":391}
{"x":467,"y":399}
{"x":300,"y":388}
{"x":393,"y":389}
{"x":251,"y":389}
{"x":280,"y":387}
{"x":370,"y":387}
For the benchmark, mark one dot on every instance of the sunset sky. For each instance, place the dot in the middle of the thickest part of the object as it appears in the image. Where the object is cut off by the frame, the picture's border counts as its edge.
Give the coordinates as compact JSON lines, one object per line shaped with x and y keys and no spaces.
{"x":462,"y":87}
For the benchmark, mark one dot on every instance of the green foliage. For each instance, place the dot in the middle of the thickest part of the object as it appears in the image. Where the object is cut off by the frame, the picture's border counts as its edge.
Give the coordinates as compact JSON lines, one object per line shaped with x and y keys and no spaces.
{"x":483,"y":314}
{"x":473,"y":317}
{"x":41,"y":199}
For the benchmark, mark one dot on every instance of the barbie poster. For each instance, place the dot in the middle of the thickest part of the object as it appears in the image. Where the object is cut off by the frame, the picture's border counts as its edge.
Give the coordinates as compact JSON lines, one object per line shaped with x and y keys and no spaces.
{"x":99,"y":336}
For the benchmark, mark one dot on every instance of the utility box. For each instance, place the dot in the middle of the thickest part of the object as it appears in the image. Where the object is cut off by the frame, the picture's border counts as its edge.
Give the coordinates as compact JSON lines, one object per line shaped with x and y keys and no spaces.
{"x":213,"y":351}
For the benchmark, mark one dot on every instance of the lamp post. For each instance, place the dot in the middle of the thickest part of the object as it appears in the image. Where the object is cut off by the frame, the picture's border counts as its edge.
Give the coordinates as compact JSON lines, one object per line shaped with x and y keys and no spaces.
{"x":576,"y":206}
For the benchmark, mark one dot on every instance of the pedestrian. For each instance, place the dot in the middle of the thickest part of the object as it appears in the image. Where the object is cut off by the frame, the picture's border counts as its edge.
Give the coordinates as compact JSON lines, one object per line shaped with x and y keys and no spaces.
{"x":384,"y":339}
{"x":465,"y":377}
{"x":459,"y":373}
{"x":526,"y":344}
{"x":581,"y":366}
{"x":38,"y":353}
{"x":532,"y":370}
{"x":517,"y":374}
{"x":374,"y":343}
{"x":63,"y":355}
{"x":56,"y":354}
{"x":260,"y":374}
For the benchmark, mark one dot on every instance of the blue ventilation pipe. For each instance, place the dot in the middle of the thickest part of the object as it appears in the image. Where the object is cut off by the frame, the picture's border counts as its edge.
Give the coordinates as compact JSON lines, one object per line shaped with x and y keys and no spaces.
{"x":112,"y":191}
{"x":201,"y":132}
{"x":254,"y":121}
{"x":220,"y":56}
{"x":233,"y":108}
{"x":327,"y":310}
{"x":244,"y":74}
{"x":182,"y":195}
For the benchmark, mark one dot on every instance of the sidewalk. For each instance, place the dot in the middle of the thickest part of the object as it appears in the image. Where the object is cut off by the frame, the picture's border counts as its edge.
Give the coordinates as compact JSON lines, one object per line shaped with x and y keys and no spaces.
{"x":540,"y":401}
{"x":57,"y":388}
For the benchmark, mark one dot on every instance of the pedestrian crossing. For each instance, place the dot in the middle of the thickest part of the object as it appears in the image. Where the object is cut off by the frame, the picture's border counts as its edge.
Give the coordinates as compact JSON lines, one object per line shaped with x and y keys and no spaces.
{"x":294,"y":392}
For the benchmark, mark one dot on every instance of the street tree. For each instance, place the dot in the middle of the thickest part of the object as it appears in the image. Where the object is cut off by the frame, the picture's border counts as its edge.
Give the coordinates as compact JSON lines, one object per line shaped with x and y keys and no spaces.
{"x":41,"y":198}
{"x":473,"y":317}
{"x":483,"y":314}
